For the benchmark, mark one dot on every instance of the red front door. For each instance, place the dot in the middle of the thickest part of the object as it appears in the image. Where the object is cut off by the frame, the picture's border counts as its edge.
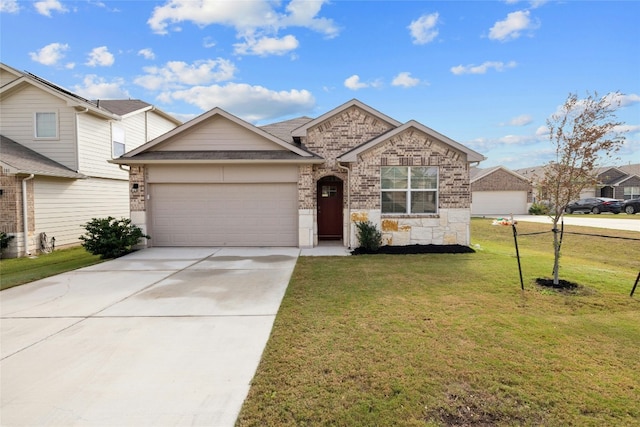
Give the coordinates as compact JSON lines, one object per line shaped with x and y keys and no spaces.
{"x":330,"y":208}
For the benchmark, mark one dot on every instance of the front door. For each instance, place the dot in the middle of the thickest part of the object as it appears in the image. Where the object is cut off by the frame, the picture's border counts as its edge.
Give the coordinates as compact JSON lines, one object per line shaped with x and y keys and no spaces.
{"x":330,"y":208}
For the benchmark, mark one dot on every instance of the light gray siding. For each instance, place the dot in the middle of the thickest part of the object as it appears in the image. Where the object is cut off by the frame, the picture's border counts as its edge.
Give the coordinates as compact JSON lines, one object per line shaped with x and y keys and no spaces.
{"x":17,"y":112}
{"x":62,"y":206}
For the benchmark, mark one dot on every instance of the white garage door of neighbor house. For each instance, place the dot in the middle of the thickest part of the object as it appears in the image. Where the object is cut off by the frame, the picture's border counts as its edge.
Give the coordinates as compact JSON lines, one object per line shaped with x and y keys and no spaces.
{"x":499,"y":203}
{"x":224,"y":214}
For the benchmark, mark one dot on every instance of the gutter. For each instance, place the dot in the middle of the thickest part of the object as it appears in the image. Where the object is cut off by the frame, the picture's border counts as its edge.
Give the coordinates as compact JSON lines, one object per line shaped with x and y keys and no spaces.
{"x":348,"y":202}
{"x":25,"y":211}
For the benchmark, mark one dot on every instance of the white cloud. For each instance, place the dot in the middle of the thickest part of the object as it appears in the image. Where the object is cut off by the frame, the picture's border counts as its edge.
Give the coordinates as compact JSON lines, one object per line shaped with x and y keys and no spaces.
{"x":404,"y":79}
{"x":100,"y":57}
{"x":147,"y":53}
{"x":354,"y":83}
{"x":51,"y":54}
{"x":255,"y":21}
{"x":9,"y":6}
{"x":267,"y":46}
{"x":423,"y":30}
{"x":178,"y":74}
{"x":482,"y":68}
{"x":512,"y":26}
{"x":622,"y":99}
{"x":521,"y":120}
{"x":94,"y":87}
{"x":45,"y":7}
{"x":252,"y":103}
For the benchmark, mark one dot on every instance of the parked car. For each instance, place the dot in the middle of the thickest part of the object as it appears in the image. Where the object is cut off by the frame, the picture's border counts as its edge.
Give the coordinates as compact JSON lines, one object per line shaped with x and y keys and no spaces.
{"x":595,"y":205}
{"x":631,"y":206}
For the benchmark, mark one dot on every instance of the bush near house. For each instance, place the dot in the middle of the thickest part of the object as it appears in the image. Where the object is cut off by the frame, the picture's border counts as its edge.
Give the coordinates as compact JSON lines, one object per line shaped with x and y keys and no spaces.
{"x":110,"y":237}
{"x":4,"y":241}
{"x":369,"y":236}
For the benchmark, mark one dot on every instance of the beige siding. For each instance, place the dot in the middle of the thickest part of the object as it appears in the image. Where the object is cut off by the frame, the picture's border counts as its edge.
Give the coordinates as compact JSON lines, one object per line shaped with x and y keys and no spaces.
{"x":6,"y":77}
{"x":218,"y":133}
{"x":17,"y":112}
{"x":95,"y":148}
{"x":221,"y":174}
{"x":157,"y":125}
{"x":135,"y":131}
{"x":63,"y":206}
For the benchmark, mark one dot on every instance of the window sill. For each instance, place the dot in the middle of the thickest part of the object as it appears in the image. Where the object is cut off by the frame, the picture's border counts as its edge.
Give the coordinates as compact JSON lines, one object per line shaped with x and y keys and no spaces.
{"x":431,"y":215}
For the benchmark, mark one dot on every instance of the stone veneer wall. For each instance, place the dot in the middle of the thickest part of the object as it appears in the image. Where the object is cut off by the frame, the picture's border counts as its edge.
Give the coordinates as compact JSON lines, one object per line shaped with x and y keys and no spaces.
{"x":138,"y":200}
{"x":501,"y":180}
{"x":11,"y":221}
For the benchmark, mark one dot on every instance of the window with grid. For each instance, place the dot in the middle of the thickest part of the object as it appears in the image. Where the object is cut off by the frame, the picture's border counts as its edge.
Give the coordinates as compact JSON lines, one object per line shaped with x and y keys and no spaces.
{"x":409,"y":190}
{"x":118,"y":141}
{"x":46,"y":125}
{"x":631,"y":192}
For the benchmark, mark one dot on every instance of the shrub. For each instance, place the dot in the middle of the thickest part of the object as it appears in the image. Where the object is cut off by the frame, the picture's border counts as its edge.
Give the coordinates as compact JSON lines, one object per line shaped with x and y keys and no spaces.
{"x":4,"y":241}
{"x":110,"y":237}
{"x":369,"y":236}
{"x":539,"y":209}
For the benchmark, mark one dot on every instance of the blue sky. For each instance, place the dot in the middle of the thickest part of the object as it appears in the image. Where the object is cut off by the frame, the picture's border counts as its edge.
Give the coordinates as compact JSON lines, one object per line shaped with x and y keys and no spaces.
{"x":485,"y":73}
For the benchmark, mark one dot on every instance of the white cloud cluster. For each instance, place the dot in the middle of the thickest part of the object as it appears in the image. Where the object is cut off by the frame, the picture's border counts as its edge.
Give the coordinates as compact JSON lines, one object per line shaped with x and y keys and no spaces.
{"x":51,"y":54}
{"x":9,"y":6}
{"x":45,"y":7}
{"x":521,"y":120}
{"x":256,"y":22}
{"x":512,"y":26}
{"x":482,"y":68}
{"x":423,"y":30}
{"x":147,"y":53}
{"x":252,"y":103}
{"x":354,"y":83}
{"x":95,"y":87}
{"x":404,"y":79}
{"x":179,"y":74}
{"x":100,"y":57}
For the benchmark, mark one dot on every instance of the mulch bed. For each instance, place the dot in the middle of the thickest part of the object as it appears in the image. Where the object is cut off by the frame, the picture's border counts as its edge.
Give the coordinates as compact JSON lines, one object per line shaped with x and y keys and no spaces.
{"x":562,"y":284}
{"x":416,"y":249}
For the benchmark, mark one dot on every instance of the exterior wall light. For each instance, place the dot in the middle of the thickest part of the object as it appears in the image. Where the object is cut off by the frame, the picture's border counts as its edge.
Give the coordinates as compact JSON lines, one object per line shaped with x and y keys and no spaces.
{"x":134,"y":188}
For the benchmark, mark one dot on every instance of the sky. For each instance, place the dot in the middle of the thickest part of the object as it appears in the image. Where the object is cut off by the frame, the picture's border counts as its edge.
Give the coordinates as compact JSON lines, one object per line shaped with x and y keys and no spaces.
{"x":487,"y":74}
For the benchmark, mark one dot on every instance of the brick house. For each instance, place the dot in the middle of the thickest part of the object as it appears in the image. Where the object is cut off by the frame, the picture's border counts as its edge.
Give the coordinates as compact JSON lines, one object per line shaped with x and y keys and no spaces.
{"x":499,"y":191}
{"x":218,"y":180}
{"x":54,"y":152}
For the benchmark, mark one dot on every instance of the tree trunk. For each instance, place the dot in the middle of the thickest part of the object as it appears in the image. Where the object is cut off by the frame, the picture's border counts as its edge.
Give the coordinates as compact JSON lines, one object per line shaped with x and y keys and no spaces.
{"x":556,"y":253}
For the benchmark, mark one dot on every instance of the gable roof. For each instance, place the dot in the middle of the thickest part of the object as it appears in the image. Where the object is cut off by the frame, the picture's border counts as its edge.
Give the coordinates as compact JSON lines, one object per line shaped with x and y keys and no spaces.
{"x":302,"y":130}
{"x":284,"y":129}
{"x":352,"y":155}
{"x":144,"y":154}
{"x":129,"y":107}
{"x":18,"y":159}
{"x":477,"y":173}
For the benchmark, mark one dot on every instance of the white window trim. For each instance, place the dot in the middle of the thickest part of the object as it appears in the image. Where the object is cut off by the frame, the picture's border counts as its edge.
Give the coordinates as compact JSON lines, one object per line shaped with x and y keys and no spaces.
{"x":409,"y":190}
{"x":35,"y":125}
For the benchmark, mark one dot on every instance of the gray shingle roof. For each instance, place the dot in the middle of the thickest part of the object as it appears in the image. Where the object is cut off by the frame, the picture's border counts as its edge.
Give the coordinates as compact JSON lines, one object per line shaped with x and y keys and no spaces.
{"x":122,"y":107}
{"x":283,"y":129}
{"x":20,"y":159}
{"x":220,"y":155}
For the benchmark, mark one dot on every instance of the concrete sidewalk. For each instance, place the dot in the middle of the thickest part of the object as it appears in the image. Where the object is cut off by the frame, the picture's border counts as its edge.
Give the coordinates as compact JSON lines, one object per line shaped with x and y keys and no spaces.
{"x":161,"y":337}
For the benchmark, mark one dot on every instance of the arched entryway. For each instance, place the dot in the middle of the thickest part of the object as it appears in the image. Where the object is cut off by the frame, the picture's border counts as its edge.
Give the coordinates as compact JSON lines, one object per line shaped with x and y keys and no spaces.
{"x":329,"y":206}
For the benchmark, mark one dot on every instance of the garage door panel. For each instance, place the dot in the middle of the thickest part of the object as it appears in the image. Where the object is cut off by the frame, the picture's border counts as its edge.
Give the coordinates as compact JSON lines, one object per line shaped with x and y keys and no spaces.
{"x":224,"y":214}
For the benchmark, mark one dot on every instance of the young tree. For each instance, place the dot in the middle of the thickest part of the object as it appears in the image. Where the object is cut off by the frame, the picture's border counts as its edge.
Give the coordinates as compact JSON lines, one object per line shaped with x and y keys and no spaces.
{"x":584,"y":132}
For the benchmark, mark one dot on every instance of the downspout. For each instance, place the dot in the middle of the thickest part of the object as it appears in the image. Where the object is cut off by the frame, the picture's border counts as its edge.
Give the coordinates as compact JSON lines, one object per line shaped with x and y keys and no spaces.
{"x":25,"y":212}
{"x":348,"y":202}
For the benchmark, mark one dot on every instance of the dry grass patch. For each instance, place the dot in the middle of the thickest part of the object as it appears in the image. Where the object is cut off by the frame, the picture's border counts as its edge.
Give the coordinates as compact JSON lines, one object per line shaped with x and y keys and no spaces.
{"x":451,"y":340}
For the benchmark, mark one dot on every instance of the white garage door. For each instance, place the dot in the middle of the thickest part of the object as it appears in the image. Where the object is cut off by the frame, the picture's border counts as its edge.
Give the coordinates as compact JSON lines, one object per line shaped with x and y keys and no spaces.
{"x":499,"y":202}
{"x":224,"y":214}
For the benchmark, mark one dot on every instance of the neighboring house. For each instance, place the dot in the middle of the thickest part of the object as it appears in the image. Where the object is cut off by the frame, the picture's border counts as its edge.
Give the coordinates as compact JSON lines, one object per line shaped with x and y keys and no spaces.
{"x":220,"y":181}
{"x":621,"y":182}
{"x":499,"y":191}
{"x":55,"y":175}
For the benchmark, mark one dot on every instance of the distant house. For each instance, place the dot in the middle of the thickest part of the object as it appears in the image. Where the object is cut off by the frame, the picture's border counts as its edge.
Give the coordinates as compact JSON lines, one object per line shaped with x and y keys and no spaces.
{"x":499,"y":191}
{"x":220,"y":181}
{"x":616,"y":182}
{"x":55,"y":174}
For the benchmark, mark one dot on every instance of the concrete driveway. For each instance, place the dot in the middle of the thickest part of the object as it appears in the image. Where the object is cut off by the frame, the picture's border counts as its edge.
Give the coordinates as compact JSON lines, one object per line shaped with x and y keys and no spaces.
{"x":161,"y":337}
{"x":610,"y":221}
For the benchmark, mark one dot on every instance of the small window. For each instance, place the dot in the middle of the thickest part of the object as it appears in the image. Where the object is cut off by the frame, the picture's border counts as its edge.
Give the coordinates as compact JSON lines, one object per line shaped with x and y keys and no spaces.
{"x":118,"y":141}
{"x":409,"y":190}
{"x":631,"y":192}
{"x":46,"y":125}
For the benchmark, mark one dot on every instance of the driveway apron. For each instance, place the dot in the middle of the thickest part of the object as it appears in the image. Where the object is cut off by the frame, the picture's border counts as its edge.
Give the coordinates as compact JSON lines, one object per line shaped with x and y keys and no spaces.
{"x":160,"y":337}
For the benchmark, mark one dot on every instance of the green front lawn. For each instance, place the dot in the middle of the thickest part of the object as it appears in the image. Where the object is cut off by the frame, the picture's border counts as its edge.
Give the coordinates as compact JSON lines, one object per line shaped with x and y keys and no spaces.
{"x":440,"y":340}
{"x":17,"y":271}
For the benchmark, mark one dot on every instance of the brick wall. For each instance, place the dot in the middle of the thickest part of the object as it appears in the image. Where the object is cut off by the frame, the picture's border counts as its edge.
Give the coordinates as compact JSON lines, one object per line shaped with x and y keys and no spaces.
{"x":11,"y":218}
{"x":137,"y":175}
